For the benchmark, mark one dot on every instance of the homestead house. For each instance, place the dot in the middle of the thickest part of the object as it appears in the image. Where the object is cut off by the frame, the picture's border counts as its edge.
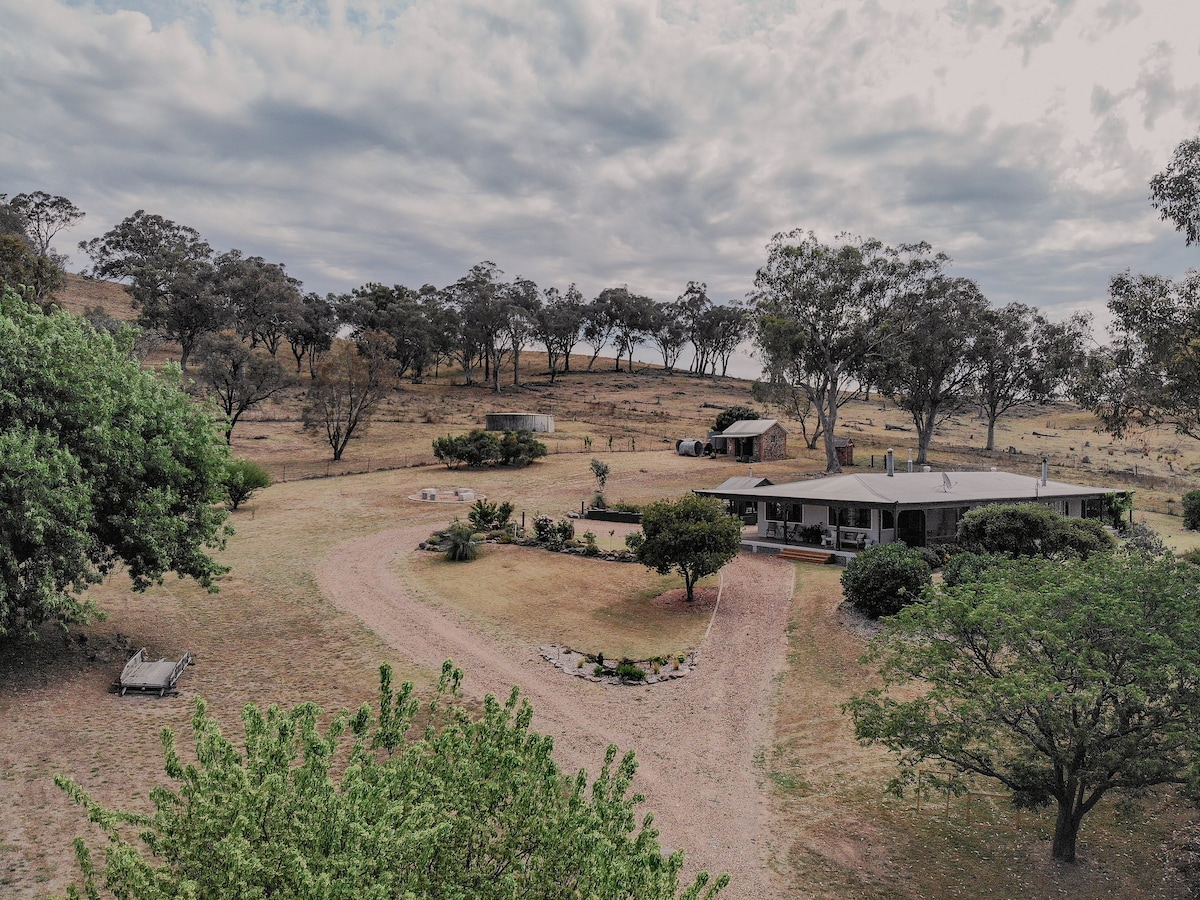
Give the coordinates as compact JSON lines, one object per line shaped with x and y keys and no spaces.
{"x":851,"y":512}
{"x":752,"y":440}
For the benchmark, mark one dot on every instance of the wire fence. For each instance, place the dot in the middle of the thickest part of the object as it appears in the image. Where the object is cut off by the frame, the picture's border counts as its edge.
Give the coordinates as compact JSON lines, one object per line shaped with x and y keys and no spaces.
{"x":949,"y":801}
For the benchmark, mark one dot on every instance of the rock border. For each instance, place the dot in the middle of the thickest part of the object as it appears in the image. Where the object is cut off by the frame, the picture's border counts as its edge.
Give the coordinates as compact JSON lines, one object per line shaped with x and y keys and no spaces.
{"x":568,"y":660}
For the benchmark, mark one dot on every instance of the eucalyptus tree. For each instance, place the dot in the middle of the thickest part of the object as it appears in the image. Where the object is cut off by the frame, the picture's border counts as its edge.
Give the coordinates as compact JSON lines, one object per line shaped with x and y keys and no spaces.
{"x":170,"y":275}
{"x":522,"y":304}
{"x":238,"y":376}
{"x":600,"y":324}
{"x":1149,"y":374}
{"x":693,"y":303}
{"x":1175,"y":191}
{"x":930,"y":369}
{"x":559,"y":326}
{"x":38,"y":217}
{"x":398,"y":312}
{"x":634,"y":316}
{"x":312,"y":332}
{"x":349,"y":383}
{"x":1024,"y":359}
{"x":263,"y":300}
{"x":820,"y":317}
{"x":668,"y":332}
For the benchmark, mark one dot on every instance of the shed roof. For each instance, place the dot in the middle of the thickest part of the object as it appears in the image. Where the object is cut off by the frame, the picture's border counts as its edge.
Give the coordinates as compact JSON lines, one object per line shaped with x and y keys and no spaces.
{"x":749,"y":428}
{"x":741,"y":482}
{"x":917,"y":489}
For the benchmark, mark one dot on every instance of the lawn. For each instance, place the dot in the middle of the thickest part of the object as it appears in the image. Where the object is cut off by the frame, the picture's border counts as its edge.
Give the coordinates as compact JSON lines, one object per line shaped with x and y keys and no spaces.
{"x":539,"y":597}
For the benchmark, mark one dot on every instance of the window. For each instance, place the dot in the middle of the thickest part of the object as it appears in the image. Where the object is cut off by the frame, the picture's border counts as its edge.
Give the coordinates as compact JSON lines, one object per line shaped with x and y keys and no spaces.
{"x":850,"y":516}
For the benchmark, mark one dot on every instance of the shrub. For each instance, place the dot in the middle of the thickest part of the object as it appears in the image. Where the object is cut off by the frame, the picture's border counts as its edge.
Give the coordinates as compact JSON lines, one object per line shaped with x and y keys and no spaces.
{"x":634,"y":540}
{"x":459,"y":541}
{"x":1191,"y":510}
{"x":935,"y":557}
{"x":483,"y":515}
{"x":622,"y":506}
{"x":628,"y":671}
{"x":518,"y":448}
{"x":243,"y":478}
{"x":733,"y":414}
{"x":543,"y":528}
{"x":967,"y":566}
{"x":1141,"y":537}
{"x":1030,"y":529}
{"x":590,"y":547}
{"x":598,"y":501}
{"x":881,"y":581}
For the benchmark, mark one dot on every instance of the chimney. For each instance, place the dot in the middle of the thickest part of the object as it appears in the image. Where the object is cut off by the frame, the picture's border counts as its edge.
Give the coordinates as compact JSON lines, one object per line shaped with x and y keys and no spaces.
{"x":1045,"y":470}
{"x":889,"y":463}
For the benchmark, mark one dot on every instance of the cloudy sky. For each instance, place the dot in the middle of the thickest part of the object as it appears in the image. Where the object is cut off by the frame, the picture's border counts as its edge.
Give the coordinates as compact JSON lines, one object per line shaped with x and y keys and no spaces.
{"x":647,"y":142}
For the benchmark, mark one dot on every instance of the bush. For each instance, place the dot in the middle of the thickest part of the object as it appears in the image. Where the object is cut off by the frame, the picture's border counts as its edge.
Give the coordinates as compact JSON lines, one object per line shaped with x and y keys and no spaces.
{"x":967,"y":566}
{"x":598,"y":501}
{"x":1030,"y":529}
{"x":734,"y":414}
{"x":1141,"y":537}
{"x":459,"y":541}
{"x":243,"y":478}
{"x":590,"y":547}
{"x":935,"y":557}
{"x":627,"y":671}
{"x":1191,"y":510}
{"x":634,"y":540}
{"x":543,"y":528}
{"x":482,"y":448}
{"x":881,"y":581}
{"x":518,"y":448}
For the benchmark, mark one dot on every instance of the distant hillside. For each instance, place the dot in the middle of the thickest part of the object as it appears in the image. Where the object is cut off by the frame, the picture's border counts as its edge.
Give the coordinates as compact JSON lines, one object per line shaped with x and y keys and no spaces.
{"x":81,"y":293}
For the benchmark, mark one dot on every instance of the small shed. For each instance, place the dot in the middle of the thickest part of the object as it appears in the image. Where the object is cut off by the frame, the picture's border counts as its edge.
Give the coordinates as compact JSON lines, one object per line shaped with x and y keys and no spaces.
{"x":844,"y":448}
{"x":755,"y":440}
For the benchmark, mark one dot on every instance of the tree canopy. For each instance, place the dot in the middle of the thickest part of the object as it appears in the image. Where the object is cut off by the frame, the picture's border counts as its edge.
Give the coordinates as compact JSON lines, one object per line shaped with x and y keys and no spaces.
{"x":1175,"y":191}
{"x":819,"y":315}
{"x":693,"y":535}
{"x":1062,"y":681}
{"x":102,"y":465}
{"x":473,"y":809}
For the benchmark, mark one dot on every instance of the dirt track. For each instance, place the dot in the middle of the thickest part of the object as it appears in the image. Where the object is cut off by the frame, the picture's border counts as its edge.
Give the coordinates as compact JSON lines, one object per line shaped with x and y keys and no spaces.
{"x":696,"y":737}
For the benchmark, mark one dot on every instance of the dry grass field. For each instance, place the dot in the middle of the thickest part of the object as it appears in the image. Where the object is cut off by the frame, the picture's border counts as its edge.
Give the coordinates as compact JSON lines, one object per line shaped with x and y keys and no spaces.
{"x":275,"y":635}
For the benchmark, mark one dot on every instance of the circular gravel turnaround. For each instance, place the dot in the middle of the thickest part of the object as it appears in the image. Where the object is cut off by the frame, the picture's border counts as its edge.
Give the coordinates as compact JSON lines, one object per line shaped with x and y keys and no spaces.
{"x":696,"y":738}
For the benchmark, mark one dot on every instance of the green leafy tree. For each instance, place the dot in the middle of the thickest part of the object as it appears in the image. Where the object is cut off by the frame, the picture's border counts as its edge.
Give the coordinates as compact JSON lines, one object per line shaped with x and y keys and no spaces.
{"x":1175,"y":191}
{"x":1062,"y":681}
{"x":1030,"y":529}
{"x":819,"y":317}
{"x":1149,"y":374}
{"x":520,"y":448}
{"x":601,"y":471}
{"x":170,"y":274}
{"x":35,"y":219}
{"x":1191,"y":510}
{"x":475,"y":807}
{"x":693,"y":535}
{"x":930,"y":371}
{"x":243,"y":479}
{"x":1023,"y":359}
{"x":237,"y":376}
{"x":102,"y":466}
{"x":881,"y":581}
{"x":727,"y":417}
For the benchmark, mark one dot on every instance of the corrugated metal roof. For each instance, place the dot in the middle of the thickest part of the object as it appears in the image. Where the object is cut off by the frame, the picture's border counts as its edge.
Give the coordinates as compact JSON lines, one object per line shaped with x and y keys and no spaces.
{"x":917,"y":489}
{"x":741,"y":482}
{"x":748,"y":428}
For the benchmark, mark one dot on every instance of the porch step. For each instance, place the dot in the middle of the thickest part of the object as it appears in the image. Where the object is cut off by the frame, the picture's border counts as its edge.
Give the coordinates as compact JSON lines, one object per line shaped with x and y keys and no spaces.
{"x":800,"y":554}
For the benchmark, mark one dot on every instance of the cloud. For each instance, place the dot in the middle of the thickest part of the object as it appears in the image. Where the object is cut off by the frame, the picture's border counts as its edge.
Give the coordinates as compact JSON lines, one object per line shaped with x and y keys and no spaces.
{"x":611,"y":141}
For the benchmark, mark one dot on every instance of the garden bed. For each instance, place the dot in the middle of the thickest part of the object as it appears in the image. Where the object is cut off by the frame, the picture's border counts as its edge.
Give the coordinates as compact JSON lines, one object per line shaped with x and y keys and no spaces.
{"x":612,"y":515}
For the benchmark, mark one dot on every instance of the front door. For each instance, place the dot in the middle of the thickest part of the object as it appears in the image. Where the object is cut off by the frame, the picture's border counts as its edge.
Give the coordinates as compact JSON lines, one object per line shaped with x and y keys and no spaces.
{"x":910,"y":527}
